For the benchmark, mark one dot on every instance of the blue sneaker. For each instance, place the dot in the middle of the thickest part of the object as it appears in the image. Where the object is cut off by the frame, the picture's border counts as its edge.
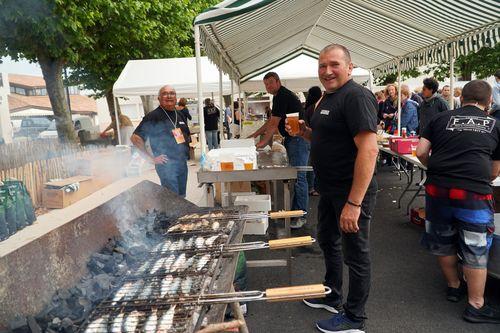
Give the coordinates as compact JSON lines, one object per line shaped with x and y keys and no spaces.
{"x":340,"y":323}
{"x":323,"y":303}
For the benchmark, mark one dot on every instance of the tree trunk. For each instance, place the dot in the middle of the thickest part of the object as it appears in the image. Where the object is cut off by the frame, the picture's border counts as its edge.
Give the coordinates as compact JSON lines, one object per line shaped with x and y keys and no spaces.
{"x":148,"y":103}
{"x":52,"y":74}
{"x":111,"y":105}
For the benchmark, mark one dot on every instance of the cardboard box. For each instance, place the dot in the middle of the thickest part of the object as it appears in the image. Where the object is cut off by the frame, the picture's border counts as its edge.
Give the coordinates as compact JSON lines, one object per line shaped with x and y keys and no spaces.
{"x":235,"y":187}
{"x":402,"y":145}
{"x":55,"y":196}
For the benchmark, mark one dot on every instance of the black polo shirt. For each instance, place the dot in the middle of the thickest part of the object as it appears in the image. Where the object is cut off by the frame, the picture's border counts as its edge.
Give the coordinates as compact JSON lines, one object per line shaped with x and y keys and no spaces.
{"x":464,"y":143}
{"x":157,"y":127}
{"x":339,"y":117}
{"x":284,"y":102}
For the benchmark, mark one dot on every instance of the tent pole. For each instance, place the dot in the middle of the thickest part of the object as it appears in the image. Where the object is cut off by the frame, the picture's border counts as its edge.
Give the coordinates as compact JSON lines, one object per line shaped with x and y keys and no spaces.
{"x":231,"y":103}
{"x":117,"y":120}
{"x":399,"y":98}
{"x":452,"y":75}
{"x":197,"y":49}
{"x":370,"y":80}
{"x":240,"y":106}
{"x":221,"y":102}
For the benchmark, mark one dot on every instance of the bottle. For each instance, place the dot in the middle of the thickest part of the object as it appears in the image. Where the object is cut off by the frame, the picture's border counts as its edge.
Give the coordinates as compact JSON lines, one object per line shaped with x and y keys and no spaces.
{"x":403,"y":132}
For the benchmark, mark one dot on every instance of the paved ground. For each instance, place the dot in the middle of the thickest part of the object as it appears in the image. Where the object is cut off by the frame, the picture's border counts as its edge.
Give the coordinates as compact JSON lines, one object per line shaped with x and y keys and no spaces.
{"x":407,"y":288}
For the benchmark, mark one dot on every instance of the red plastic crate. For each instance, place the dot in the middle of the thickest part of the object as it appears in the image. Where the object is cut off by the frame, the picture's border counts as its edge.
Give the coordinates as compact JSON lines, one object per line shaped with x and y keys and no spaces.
{"x":402,"y":145}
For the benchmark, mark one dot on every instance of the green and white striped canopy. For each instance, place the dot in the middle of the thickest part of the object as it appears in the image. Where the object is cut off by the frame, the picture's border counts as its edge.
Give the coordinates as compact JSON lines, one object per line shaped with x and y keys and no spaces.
{"x":248,"y":37}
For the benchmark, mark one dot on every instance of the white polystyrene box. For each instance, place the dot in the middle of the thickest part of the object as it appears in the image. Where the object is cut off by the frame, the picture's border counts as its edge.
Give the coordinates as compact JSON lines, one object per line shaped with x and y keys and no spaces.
{"x":239,"y":156}
{"x":256,"y":227}
{"x":234,"y":195}
{"x":237,"y":143}
{"x":255,"y":203}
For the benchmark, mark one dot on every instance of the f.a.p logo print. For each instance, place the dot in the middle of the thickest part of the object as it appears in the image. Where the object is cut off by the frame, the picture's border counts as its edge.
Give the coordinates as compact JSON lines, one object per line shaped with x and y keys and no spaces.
{"x":471,"y":124}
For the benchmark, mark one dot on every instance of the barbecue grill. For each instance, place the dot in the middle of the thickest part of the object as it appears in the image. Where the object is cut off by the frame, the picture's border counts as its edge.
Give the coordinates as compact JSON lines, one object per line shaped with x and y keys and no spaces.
{"x":170,"y":289}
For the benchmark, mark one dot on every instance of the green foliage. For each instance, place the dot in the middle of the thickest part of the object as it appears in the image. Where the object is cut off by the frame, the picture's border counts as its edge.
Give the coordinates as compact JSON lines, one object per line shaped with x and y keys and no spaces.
{"x":132,"y":29}
{"x":393,"y":77}
{"x":483,"y":63}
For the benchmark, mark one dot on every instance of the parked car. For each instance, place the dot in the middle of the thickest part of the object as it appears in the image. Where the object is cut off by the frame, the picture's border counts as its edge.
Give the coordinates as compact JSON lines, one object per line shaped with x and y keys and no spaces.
{"x":80,"y":123}
{"x":32,"y":127}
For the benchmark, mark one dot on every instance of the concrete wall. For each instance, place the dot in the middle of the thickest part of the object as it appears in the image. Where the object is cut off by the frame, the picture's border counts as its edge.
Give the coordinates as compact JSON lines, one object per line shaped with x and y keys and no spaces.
{"x":32,"y":272}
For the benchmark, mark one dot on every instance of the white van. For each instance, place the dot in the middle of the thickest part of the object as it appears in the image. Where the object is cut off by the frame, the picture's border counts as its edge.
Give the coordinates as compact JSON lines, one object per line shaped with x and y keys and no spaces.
{"x":81,"y":123}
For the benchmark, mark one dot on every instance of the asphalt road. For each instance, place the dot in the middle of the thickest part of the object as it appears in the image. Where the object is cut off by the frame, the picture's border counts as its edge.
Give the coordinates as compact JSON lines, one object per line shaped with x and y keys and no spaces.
{"x":407,"y":293}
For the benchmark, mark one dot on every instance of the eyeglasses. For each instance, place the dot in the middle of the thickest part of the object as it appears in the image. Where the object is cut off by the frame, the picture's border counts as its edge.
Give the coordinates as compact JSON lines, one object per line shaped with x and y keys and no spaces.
{"x":169,"y":93}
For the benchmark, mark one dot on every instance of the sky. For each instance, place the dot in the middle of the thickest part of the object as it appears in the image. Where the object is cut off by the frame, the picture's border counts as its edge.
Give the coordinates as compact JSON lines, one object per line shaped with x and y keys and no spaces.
{"x":19,"y":67}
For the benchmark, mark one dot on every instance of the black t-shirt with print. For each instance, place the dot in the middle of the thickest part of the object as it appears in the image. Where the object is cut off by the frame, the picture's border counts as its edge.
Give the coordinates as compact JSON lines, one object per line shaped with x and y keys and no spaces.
{"x":285,"y":102}
{"x":211,"y":114}
{"x":157,"y":126}
{"x":464,"y":142}
{"x":339,"y":117}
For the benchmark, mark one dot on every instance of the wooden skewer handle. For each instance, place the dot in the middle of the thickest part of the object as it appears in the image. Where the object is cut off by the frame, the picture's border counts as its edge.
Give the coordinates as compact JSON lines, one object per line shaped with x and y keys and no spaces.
{"x":284,"y":243}
{"x":219,"y":327}
{"x":285,"y":214}
{"x":295,"y":293}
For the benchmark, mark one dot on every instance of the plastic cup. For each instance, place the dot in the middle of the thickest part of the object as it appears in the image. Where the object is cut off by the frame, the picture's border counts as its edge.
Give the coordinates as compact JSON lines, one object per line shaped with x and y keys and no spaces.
{"x":248,"y":165}
{"x":293,"y":122}
{"x":226,"y":166}
{"x":414,"y":151}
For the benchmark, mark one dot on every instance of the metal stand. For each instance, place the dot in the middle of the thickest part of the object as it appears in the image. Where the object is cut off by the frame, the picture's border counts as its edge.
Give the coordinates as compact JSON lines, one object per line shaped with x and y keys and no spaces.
{"x":238,"y":314}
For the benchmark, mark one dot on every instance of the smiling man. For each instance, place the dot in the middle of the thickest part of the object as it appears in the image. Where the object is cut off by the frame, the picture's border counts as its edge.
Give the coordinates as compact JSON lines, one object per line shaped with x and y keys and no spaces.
{"x":168,"y":133}
{"x":343,"y":153}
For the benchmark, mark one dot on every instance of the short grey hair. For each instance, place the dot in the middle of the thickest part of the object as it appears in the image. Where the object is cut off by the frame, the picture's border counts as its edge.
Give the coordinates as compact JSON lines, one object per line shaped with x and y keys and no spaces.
{"x":347,"y":54}
{"x":166,"y":86}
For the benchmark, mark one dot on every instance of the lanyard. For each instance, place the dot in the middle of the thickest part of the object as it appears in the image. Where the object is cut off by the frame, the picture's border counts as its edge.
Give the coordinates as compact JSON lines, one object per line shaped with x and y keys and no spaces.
{"x":166,"y":114}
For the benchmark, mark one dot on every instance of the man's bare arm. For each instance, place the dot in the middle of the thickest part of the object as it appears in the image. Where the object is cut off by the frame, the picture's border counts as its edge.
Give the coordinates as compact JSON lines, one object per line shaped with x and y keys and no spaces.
{"x":261,"y":130}
{"x":140,"y":144}
{"x":272,"y":127}
{"x":495,"y":169}
{"x":423,"y":151}
{"x":364,"y":165}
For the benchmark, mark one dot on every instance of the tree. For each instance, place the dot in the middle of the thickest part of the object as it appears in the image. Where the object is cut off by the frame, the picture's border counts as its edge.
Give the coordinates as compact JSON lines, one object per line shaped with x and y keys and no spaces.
{"x":135,"y":30}
{"x":52,"y":33}
{"x":483,"y":63}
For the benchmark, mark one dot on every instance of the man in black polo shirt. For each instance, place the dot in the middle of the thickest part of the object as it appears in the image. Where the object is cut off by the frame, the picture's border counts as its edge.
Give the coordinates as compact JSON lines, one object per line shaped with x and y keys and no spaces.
{"x":168,"y":134}
{"x":343,"y":153}
{"x":285,"y":102}
{"x":458,"y":196}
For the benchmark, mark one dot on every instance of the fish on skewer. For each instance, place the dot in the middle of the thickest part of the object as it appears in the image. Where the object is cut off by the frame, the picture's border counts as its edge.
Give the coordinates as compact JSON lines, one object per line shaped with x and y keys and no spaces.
{"x":151,"y":322}
{"x":165,"y":285}
{"x":116,"y":325}
{"x":179,"y":264}
{"x":166,"y":320}
{"x":134,"y":290}
{"x":174,"y":286}
{"x":200,"y":241}
{"x":215,"y":226}
{"x":132,"y":321}
{"x":209,"y":242}
{"x":98,"y":325}
{"x":168,"y":263}
{"x":186,"y":285}
{"x":158,"y":265}
{"x":202,"y":262}
{"x":122,"y":292}
{"x":147,"y":291}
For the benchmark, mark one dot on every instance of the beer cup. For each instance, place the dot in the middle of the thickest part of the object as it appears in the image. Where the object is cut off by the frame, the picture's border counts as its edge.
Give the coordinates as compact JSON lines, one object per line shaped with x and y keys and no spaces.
{"x":293,"y":122}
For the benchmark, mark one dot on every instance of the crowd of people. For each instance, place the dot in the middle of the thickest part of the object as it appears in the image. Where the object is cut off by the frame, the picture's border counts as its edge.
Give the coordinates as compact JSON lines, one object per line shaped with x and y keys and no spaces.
{"x":337,"y":136}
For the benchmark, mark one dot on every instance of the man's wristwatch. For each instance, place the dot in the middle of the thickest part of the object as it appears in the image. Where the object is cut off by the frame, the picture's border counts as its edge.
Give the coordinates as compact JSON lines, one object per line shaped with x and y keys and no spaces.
{"x":349,"y":202}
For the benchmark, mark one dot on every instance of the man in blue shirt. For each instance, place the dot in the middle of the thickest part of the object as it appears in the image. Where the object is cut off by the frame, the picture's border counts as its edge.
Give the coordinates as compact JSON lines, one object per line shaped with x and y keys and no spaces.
{"x":168,"y":133}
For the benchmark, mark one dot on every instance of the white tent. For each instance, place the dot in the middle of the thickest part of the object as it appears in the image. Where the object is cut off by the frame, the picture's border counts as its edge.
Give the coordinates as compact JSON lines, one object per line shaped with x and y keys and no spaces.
{"x":298,"y":74}
{"x":146,"y":77}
